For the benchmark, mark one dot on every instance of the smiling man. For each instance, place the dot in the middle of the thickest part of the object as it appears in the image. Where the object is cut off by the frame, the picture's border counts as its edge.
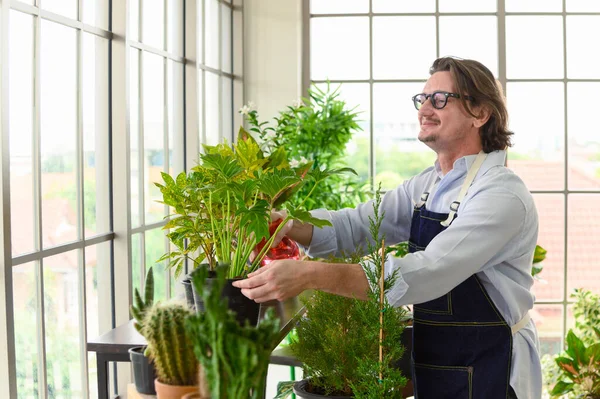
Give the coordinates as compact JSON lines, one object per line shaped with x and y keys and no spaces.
{"x":472,"y":228}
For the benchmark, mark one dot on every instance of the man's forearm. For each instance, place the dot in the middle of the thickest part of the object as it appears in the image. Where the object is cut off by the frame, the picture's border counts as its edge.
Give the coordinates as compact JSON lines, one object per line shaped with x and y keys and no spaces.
{"x":301,"y":233}
{"x":343,"y":279}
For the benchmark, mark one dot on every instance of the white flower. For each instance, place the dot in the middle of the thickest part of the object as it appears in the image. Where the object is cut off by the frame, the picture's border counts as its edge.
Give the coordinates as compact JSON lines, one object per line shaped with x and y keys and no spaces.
{"x":298,"y":103}
{"x":244,"y":110}
{"x":251,"y":105}
{"x":270,"y":135}
{"x":303,"y":160}
{"x":294,"y":163}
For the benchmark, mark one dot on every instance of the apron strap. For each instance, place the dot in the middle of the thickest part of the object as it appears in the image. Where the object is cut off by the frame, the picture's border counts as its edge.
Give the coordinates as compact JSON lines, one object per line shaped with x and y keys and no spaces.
{"x":465,"y":187}
{"x":425,"y":195}
{"x":522,"y":323}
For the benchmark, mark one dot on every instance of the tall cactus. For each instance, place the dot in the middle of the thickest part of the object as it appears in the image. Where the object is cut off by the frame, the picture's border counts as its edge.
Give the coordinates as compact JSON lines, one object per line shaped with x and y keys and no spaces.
{"x":141,"y":306}
{"x":169,"y":344}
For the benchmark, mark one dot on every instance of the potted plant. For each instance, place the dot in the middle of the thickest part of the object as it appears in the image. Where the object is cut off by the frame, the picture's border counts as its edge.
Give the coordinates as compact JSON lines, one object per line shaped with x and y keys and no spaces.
{"x":350,"y":347}
{"x":222,"y":210}
{"x":235,"y":358}
{"x":143,"y":369}
{"x":170,"y":348}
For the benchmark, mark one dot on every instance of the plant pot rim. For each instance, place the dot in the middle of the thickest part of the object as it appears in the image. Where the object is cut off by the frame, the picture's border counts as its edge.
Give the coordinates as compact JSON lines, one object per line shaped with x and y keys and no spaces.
{"x":156,"y":381}
{"x":299,"y":389}
{"x":137,"y":349}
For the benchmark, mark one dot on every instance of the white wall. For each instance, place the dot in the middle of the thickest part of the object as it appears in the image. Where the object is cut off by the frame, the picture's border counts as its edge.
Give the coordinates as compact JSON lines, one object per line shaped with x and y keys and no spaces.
{"x":272,"y":54}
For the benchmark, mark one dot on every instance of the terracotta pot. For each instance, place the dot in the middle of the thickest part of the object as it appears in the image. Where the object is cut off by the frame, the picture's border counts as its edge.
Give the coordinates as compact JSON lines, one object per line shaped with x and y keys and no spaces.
{"x":164,"y":391}
{"x":193,"y":395}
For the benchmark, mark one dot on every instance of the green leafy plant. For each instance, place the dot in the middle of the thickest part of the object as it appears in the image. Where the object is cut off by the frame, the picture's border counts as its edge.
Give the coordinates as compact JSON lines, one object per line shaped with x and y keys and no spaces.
{"x":339,"y":338}
{"x":235,"y":358}
{"x":587,"y":314}
{"x":538,"y":256}
{"x":170,"y":344}
{"x":141,"y":306}
{"x":316,"y":129}
{"x":222,"y":207}
{"x":580,"y":367}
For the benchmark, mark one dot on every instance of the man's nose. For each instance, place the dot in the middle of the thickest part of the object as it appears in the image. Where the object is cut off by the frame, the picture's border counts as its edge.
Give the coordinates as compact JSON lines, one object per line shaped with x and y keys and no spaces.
{"x":426,"y":108}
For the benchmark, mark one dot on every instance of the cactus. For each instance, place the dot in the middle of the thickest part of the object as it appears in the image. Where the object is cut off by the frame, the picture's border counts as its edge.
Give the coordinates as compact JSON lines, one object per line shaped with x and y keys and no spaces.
{"x":169,"y":344}
{"x":235,"y":358}
{"x":141,"y":306}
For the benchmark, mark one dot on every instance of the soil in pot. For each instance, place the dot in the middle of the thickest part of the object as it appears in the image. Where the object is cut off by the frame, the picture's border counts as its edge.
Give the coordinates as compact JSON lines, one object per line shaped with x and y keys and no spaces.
{"x":302,"y":388}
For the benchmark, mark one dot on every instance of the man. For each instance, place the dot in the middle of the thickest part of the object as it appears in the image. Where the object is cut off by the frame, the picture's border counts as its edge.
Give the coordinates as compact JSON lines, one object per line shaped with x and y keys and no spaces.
{"x":472,"y":228}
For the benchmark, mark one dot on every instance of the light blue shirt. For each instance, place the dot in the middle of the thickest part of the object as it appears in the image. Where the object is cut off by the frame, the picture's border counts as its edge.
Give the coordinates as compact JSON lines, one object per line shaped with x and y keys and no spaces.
{"x":494,"y":236}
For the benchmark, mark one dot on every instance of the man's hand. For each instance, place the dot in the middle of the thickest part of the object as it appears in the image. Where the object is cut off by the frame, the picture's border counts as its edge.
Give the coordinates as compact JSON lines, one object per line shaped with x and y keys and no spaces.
{"x":280,"y":280}
{"x":277,"y":215}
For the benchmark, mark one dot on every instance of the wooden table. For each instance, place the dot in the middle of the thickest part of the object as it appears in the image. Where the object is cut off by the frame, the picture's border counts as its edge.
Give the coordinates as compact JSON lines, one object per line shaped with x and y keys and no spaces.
{"x":114,"y":345}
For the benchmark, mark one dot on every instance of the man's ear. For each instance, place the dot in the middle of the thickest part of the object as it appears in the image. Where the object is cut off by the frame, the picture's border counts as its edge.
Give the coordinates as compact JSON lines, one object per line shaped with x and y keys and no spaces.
{"x":483,"y":115}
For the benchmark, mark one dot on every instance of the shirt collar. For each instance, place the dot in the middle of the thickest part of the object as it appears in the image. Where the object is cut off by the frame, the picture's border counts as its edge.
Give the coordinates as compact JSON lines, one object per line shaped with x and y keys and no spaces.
{"x":462,"y":165}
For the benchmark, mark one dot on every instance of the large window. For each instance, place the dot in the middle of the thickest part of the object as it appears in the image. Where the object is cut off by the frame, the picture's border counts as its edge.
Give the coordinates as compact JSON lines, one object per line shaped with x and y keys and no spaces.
{"x":81,"y":141}
{"x":381,"y":50}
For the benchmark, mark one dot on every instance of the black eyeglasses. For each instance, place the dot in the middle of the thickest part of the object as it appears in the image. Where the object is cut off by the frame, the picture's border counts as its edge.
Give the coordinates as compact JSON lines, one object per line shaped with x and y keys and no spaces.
{"x":439,"y":99}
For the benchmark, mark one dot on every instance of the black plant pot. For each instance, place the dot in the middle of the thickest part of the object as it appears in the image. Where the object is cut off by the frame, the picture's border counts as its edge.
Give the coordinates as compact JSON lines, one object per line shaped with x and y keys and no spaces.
{"x":189,"y":293}
{"x":143,"y":371}
{"x":244,"y":308}
{"x":300,"y":391}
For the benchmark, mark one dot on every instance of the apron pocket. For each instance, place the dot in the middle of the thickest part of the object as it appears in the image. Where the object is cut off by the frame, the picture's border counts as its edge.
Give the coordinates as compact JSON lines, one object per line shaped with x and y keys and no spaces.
{"x":441,"y":305}
{"x":443,"y":382}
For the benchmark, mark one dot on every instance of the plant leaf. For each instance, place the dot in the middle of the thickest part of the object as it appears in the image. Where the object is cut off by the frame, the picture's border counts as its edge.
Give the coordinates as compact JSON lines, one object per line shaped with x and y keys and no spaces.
{"x":561,"y":388}
{"x":305,"y":217}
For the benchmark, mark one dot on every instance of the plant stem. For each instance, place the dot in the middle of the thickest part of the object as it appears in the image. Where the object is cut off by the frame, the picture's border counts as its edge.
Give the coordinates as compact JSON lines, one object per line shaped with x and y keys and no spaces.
{"x":267,"y":246}
{"x":381,"y":293}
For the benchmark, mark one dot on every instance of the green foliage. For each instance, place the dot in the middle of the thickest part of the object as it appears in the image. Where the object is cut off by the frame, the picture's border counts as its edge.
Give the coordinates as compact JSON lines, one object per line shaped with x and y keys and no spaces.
{"x":235,"y":358}
{"x":141,"y":306}
{"x":587,"y":314}
{"x":338,"y":339}
{"x":316,"y":131}
{"x":576,"y":371}
{"x":222,"y":207}
{"x":170,"y":344}
{"x":538,"y":256}
{"x":580,"y":367}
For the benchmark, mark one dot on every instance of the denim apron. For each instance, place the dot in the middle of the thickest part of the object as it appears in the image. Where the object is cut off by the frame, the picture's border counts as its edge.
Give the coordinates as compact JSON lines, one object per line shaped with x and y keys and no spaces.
{"x":462,"y":346}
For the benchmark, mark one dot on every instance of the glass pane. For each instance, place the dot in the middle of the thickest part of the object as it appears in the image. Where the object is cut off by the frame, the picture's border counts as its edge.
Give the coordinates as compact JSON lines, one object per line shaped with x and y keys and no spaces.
{"x":175,"y":27}
{"x":175,"y":115}
{"x":356,"y":96}
{"x":583,"y":6}
{"x":349,"y":57}
{"x":457,"y":39}
{"x":61,"y":314}
{"x":134,"y":131}
{"x":153,"y":23}
{"x":467,"y":6}
{"x":200,"y":35}
{"x":551,"y":212}
{"x":98,"y":303}
{"x":583,"y":251}
{"x":95,"y":135}
{"x":155,"y":248}
{"x":238,"y":40}
{"x":538,"y":152}
{"x":26,"y":337}
{"x":68,"y":8}
{"x":227,"y":109}
{"x":534,"y":6}
{"x":134,"y":19}
{"x":238,"y":102}
{"x":58,"y":117}
{"x":211,"y":30}
{"x":534,"y":53}
{"x":339,"y":6}
{"x":21,"y":132}
{"x":213,"y":130}
{"x":582,"y":60}
{"x":549,"y":323}
{"x":136,"y":262}
{"x":403,"y":6}
{"x":398,"y":153}
{"x":390,"y":54}
{"x":584,"y":138}
{"x":201,"y":103}
{"x":95,"y":13}
{"x":226,"y":38}
{"x":154,"y":134}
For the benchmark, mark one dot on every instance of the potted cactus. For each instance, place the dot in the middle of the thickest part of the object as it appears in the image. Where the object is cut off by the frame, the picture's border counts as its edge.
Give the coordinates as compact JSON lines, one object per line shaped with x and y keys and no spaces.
{"x":170,"y":347}
{"x":143,"y":370}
